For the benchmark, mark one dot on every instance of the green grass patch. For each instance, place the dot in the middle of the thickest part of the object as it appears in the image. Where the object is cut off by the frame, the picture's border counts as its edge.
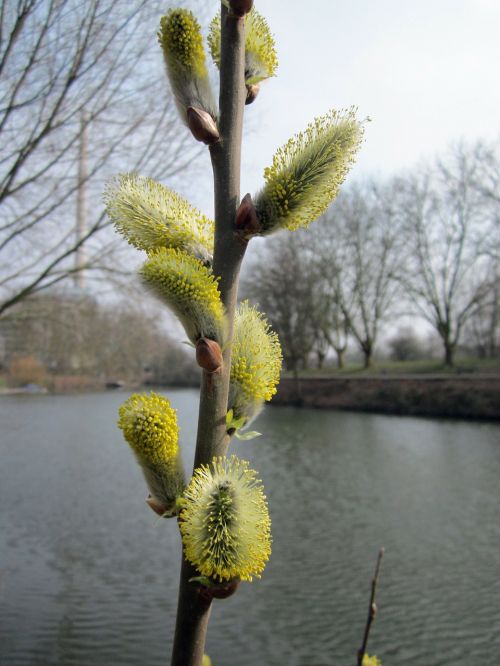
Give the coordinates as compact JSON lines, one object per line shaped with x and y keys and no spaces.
{"x":423,"y":367}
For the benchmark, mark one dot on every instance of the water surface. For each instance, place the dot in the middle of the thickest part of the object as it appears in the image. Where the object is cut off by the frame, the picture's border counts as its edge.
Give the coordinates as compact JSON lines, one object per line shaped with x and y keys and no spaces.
{"x":88,"y":575}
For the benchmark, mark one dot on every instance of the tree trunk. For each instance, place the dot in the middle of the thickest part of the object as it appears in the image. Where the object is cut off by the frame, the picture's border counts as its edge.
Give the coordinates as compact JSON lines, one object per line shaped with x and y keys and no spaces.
{"x":367,"y":356}
{"x":340,"y":358}
{"x":320,"y":356}
{"x":449,"y":352}
{"x":492,"y":333}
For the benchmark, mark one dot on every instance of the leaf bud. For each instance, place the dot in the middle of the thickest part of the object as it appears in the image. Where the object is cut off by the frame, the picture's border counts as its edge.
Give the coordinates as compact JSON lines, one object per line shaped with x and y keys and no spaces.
{"x":252,"y":92}
{"x":247,"y":223}
{"x":240,"y":7}
{"x":202,"y":126}
{"x":156,"y":506}
{"x":208,"y":355}
{"x":225,"y":590}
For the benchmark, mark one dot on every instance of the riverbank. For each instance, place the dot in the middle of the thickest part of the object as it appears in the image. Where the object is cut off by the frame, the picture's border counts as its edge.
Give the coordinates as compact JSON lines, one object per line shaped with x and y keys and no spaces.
{"x":453,"y":396}
{"x":65,"y":384}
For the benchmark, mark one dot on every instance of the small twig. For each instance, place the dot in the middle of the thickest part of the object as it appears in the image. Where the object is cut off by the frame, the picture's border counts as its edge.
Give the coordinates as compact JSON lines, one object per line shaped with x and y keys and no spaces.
{"x":372,"y":609}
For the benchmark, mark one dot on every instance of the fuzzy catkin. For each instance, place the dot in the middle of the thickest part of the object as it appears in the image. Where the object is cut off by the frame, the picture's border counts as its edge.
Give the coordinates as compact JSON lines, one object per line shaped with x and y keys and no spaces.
{"x":224,"y":521}
{"x":182,"y":44}
{"x":307,"y":172}
{"x":150,"y":216}
{"x":256,"y":363}
{"x":261,"y":60}
{"x":149,"y":425}
{"x":191,"y":291}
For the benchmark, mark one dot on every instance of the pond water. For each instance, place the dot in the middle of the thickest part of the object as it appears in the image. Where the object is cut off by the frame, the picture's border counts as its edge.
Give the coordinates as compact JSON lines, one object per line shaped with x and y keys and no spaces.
{"x":88,"y":575}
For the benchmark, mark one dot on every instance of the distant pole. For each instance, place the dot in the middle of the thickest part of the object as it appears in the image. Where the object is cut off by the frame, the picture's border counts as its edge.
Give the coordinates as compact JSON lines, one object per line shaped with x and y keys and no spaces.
{"x":81,"y":204}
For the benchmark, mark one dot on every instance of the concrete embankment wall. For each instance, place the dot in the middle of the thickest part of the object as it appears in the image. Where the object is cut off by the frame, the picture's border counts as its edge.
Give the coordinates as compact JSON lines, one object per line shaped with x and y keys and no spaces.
{"x":456,"y":396}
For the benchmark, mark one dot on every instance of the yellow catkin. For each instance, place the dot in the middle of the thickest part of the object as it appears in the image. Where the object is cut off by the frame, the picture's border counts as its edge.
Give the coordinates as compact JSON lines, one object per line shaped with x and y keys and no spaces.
{"x":182,"y":44}
{"x":307,"y":172}
{"x":371,"y":661}
{"x":190,"y":289}
{"x":181,"y":40}
{"x":256,"y":362}
{"x":150,"y":216}
{"x":149,"y":425}
{"x":261,"y":60}
{"x":224,"y":522}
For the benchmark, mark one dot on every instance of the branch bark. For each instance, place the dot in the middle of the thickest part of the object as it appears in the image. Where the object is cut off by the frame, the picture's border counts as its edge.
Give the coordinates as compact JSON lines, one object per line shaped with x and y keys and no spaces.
{"x":193,"y":608}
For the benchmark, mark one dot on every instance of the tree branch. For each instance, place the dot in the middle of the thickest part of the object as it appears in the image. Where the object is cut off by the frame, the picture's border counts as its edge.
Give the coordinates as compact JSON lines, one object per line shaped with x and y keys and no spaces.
{"x":193,"y":609}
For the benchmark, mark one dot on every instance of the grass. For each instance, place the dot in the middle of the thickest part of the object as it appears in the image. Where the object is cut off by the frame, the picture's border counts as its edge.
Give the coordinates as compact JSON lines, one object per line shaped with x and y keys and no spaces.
{"x":421,"y":367}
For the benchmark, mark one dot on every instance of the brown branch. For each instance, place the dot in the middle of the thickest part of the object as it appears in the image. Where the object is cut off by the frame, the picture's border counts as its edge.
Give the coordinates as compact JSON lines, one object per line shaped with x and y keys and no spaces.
{"x":372,"y":609}
{"x":212,"y":439}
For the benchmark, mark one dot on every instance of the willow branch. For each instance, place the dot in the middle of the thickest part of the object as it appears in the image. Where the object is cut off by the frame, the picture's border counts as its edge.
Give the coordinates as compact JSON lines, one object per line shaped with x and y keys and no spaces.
{"x":212,"y":440}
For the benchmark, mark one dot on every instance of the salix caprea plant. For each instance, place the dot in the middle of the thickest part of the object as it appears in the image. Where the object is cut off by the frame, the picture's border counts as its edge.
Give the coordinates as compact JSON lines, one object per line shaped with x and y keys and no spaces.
{"x":192,"y":264}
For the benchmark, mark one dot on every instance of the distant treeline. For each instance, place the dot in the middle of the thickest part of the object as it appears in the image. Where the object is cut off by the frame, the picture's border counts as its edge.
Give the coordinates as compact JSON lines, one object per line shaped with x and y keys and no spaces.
{"x":68,"y":339}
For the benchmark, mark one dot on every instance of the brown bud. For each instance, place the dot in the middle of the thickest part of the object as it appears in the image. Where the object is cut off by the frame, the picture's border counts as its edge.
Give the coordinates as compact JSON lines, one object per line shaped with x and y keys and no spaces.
{"x":240,"y":7}
{"x":221,"y":590}
{"x":156,"y":506}
{"x":224,"y":590}
{"x":247,"y":223}
{"x":252,"y":92}
{"x":208,"y":354}
{"x":202,"y":126}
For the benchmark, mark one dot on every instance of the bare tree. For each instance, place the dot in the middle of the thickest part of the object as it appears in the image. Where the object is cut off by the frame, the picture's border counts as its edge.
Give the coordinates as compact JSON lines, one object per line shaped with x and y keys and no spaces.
{"x":68,"y":69}
{"x":487,"y":173}
{"x":365,"y":252}
{"x":449,"y":224}
{"x":334,"y":280}
{"x":482,"y":330}
{"x":283,"y":285}
{"x":331,"y":328}
{"x":405,"y":345}
{"x":296,"y":284}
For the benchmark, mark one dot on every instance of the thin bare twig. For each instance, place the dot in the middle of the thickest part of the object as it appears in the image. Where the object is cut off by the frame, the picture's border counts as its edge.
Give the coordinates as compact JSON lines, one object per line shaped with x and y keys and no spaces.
{"x":372,"y":609}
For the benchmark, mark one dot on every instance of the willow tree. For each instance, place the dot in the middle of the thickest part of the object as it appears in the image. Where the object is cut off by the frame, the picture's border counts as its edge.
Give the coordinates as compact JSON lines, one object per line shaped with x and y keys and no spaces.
{"x":193,"y":265}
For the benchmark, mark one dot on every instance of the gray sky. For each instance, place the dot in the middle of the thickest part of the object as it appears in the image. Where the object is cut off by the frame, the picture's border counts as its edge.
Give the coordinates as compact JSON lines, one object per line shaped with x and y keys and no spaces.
{"x":427,"y":73}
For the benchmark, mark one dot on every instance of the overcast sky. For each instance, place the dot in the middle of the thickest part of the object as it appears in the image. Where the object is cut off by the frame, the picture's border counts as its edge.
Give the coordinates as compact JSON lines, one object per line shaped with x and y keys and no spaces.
{"x":426,"y":72}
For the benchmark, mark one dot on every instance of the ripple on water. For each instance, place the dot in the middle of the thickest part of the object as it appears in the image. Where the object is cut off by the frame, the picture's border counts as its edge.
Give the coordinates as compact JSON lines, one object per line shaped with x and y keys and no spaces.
{"x":89,"y":577}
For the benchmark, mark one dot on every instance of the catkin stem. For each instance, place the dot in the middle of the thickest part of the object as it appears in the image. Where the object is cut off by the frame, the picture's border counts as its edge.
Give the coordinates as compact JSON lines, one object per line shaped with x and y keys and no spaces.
{"x":193,"y":610}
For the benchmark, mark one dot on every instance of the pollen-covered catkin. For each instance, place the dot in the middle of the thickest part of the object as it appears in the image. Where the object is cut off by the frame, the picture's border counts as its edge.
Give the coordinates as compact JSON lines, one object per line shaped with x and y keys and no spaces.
{"x":256,"y":362}
{"x":371,"y":661}
{"x":224,"y":521}
{"x":149,"y":425}
{"x":307,"y":172}
{"x":150,"y":215}
{"x":182,"y":44}
{"x":190,"y":289}
{"x":261,"y":60}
